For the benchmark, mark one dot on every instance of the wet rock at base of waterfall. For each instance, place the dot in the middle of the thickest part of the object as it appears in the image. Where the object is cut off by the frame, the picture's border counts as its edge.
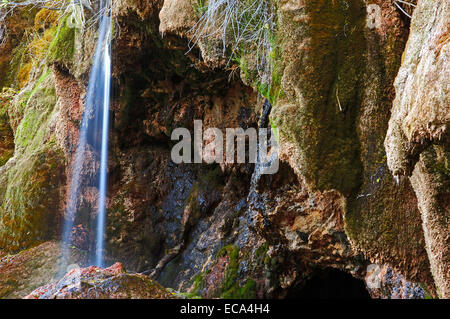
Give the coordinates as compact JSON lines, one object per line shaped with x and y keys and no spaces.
{"x":97,"y":283}
{"x":23,"y":272}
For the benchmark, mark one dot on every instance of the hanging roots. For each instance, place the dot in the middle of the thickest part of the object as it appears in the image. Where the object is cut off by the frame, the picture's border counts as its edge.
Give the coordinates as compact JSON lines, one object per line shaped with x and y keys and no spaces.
{"x":406,"y":6}
{"x":244,"y":27}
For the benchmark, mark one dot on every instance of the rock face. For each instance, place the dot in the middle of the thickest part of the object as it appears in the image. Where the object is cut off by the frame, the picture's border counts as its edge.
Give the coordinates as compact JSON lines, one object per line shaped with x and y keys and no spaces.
{"x":31,"y":268}
{"x":417,"y":141}
{"x":337,"y":91}
{"x":97,"y":283}
{"x":383,"y":282}
{"x":177,"y":16}
{"x":224,"y":230}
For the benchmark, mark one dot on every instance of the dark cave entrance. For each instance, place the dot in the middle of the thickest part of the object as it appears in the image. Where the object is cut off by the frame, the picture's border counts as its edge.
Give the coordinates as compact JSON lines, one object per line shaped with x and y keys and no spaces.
{"x":330,"y":283}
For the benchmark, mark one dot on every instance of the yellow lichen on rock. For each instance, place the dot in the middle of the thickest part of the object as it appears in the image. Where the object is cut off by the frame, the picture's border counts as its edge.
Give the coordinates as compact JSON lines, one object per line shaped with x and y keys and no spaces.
{"x":45,"y":18}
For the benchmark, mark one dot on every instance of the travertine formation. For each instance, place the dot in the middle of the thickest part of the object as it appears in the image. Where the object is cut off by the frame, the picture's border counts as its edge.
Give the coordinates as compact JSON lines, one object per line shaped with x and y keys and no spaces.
{"x":347,"y":137}
{"x":417,"y":141}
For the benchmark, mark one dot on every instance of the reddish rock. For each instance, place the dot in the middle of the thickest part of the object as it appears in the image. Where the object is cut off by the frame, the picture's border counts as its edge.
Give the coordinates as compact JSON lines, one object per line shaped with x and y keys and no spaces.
{"x":97,"y":283}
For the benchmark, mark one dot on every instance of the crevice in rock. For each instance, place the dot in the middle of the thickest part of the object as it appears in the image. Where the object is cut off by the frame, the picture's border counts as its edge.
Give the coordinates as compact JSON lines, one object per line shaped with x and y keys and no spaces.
{"x":329,"y":283}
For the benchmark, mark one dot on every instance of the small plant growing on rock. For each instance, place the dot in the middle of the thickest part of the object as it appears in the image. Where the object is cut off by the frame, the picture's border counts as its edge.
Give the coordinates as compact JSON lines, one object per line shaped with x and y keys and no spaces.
{"x":245,"y":27}
{"x":74,"y":9}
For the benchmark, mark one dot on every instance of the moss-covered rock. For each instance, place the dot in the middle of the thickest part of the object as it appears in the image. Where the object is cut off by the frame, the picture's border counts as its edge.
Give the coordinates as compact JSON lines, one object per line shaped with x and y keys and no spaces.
{"x":383,"y":221}
{"x":431,"y":182}
{"x":6,"y":133}
{"x":321,"y":47}
{"x":31,"y":199}
{"x":32,"y":193}
{"x":62,"y":48}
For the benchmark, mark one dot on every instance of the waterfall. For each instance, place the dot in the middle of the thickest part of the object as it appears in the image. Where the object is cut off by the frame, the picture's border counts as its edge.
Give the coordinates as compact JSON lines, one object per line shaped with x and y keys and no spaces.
{"x":90,"y":162}
{"x":101,"y":216}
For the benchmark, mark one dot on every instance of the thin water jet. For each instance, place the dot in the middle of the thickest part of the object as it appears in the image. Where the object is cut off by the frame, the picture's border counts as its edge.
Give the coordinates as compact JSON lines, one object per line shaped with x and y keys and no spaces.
{"x":90,"y":162}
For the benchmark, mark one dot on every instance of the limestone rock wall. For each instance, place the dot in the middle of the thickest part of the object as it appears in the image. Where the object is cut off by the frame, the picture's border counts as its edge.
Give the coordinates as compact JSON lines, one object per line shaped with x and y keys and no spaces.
{"x":417,"y":141}
{"x":220,"y":230}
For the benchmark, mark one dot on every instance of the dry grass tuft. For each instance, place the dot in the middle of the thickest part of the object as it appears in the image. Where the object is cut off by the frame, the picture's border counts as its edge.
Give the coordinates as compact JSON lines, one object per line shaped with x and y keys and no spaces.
{"x":244,"y":27}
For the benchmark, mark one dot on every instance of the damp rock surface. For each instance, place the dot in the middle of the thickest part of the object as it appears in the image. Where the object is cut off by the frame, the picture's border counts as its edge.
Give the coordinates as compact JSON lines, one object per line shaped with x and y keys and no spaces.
{"x":30,"y":269}
{"x":224,"y":230}
{"x":97,"y":283}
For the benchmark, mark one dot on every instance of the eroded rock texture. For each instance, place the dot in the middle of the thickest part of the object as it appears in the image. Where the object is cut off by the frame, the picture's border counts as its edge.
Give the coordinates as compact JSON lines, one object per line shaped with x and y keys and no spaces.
{"x":225,"y":230}
{"x":24,"y":272}
{"x":96,"y":283}
{"x":417,"y":141}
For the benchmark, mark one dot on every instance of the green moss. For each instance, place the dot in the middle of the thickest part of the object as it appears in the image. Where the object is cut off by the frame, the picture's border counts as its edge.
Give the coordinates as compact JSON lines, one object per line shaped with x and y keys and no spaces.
{"x":199,"y":284}
{"x":230,"y":288}
{"x":5,"y":156}
{"x":230,"y":284}
{"x":30,"y":189}
{"x":200,"y":7}
{"x":40,"y":102}
{"x":30,"y":199}
{"x":321,"y":80}
{"x":62,"y":48}
{"x":272,"y":89}
{"x":248,"y":291}
{"x":18,"y":59}
{"x":6,"y":134}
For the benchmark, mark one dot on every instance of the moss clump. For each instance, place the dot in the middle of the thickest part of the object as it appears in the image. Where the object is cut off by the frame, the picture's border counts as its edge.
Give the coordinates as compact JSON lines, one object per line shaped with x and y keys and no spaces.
{"x":200,"y":7}
{"x":322,"y":55}
{"x":45,"y":18}
{"x":231,"y":273}
{"x":30,"y":53}
{"x":24,"y":74}
{"x":30,"y":199}
{"x":30,"y":191}
{"x":37,"y":108}
{"x":40,"y":44}
{"x":230,"y":288}
{"x":5,"y":156}
{"x":17,"y":60}
{"x":246,"y":27}
{"x":199,"y":285}
{"x":248,"y":291}
{"x":272,"y":90}
{"x":6,"y":133}
{"x":62,"y":48}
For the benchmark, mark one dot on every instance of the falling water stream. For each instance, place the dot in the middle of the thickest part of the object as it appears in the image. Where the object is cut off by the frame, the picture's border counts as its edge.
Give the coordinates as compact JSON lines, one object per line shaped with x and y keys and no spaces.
{"x":89,"y":170}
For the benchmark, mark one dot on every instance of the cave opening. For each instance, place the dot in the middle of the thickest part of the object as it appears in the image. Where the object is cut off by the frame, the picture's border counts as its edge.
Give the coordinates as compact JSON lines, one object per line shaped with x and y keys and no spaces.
{"x":330,"y":283}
